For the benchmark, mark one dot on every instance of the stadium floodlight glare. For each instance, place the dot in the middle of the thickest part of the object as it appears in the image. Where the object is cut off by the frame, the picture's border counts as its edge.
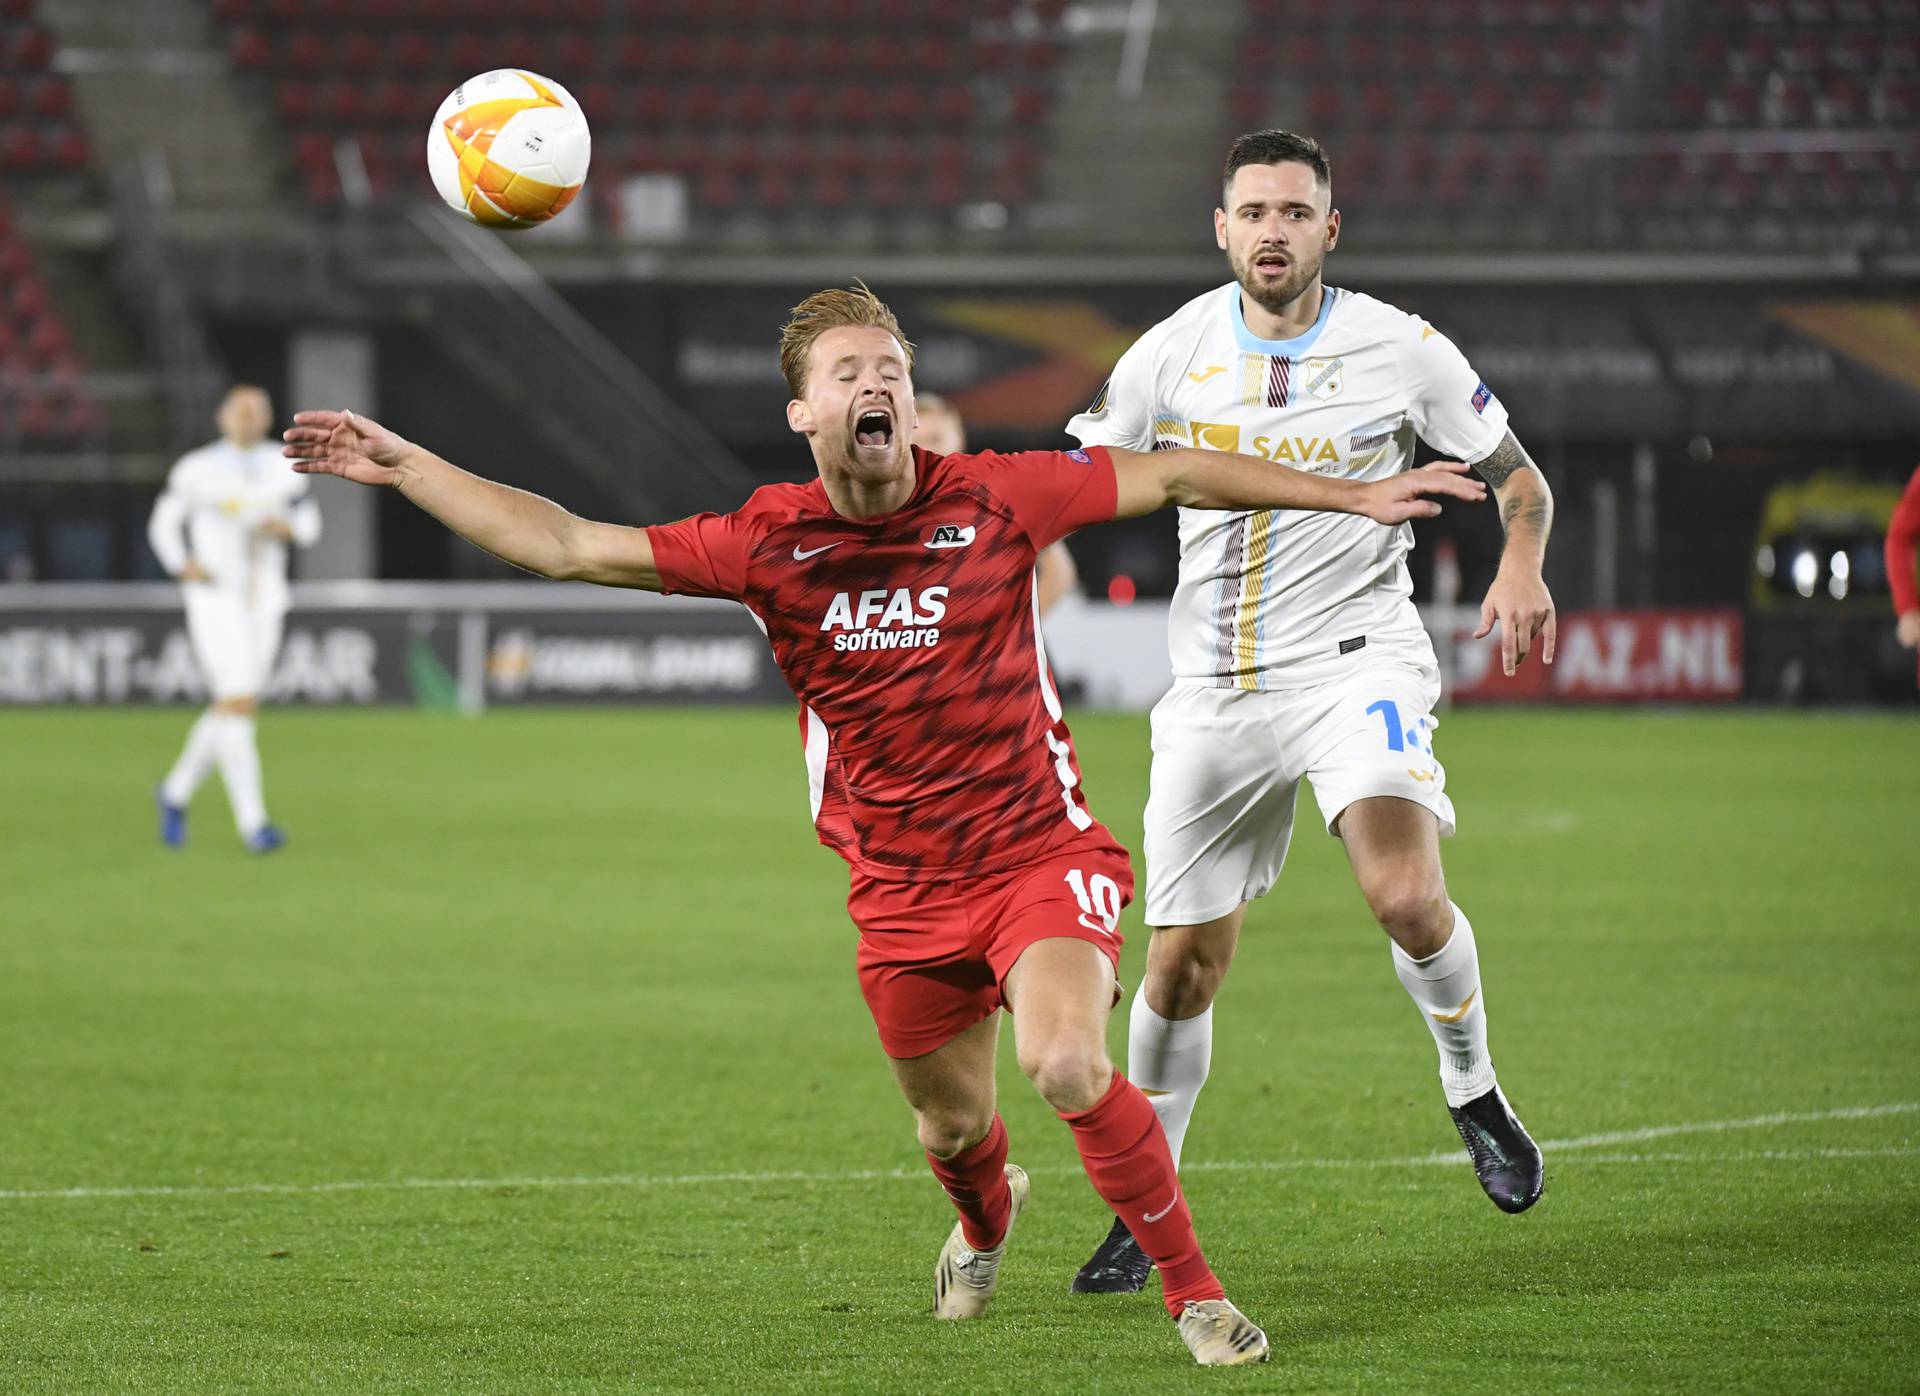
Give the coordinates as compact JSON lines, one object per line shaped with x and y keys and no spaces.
{"x":1806,"y":571}
{"x":1841,"y":570}
{"x":1764,"y":560}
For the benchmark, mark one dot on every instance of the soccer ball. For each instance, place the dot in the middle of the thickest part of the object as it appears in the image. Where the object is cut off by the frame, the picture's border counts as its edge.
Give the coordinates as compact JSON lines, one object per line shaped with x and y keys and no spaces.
{"x":509,"y":148}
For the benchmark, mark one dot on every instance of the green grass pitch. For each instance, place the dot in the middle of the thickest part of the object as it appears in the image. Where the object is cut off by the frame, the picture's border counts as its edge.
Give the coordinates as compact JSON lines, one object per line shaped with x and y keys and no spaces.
{"x":536,"y":1063}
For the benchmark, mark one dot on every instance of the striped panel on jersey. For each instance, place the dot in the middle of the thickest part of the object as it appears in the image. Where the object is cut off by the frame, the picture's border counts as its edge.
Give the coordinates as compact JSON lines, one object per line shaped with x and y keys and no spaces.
{"x":1265,"y":380}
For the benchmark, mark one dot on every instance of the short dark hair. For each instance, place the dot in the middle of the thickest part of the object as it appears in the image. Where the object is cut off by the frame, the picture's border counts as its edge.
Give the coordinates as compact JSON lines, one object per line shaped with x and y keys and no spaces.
{"x":1276,"y":148}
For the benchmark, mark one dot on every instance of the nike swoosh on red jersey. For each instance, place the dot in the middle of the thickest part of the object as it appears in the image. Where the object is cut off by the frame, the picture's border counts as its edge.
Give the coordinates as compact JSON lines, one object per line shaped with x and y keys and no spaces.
{"x":799,"y":556}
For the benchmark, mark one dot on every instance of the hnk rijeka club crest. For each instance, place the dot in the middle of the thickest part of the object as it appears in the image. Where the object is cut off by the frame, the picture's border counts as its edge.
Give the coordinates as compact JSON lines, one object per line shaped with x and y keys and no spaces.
{"x":1325,"y":377}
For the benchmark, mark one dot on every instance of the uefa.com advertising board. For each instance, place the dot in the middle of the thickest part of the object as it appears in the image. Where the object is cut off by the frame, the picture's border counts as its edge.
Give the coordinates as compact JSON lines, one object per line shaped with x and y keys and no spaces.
{"x":473,"y":647}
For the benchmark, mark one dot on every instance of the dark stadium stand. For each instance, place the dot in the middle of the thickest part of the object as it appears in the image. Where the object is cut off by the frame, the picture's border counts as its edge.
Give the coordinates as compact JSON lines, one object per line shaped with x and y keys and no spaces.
{"x":744,"y":98}
{"x":1481,"y":109}
{"x":43,"y":396}
{"x":37,"y":128}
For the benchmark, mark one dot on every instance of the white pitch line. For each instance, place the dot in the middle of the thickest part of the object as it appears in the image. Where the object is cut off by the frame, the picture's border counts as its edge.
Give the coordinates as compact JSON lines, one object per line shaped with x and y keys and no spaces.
{"x":1804,"y":1117}
{"x":675,"y":1180}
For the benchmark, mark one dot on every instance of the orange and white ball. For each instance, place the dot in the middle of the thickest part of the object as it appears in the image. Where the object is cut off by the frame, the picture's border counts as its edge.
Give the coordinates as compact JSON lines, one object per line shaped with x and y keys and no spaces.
{"x":509,"y":148}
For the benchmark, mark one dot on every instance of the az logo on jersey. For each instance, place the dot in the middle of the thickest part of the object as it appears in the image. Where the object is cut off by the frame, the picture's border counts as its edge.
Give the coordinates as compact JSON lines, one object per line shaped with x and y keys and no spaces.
{"x":951,"y":536}
{"x":1325,"y":378}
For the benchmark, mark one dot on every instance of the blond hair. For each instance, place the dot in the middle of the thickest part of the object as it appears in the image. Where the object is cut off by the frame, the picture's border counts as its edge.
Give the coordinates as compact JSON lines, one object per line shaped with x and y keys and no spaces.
{"x":831,"y":310}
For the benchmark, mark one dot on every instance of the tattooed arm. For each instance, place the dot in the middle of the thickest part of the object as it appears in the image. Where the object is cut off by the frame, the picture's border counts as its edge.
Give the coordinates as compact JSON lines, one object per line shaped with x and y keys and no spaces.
{"x":1518,"y":600}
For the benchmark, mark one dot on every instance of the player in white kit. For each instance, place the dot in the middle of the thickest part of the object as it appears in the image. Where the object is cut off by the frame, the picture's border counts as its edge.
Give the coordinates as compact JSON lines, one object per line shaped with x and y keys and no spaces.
{"x":1297,"y":651}
{"x":222,"y":528}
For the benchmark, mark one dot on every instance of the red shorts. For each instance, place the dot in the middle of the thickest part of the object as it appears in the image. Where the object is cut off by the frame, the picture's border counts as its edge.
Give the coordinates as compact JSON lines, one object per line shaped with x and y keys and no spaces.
{"x":932,"y":955}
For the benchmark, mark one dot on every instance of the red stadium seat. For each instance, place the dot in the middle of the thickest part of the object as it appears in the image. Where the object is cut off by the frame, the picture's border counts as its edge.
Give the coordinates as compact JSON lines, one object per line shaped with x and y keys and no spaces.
{"x":307,"y":52}
{"x":32,"y":49}
{"x":1030,"y":105}
{"x":249,"y":50}
{"x":1379,"y":104}
{"x":362,"y":52}
{"x":1434,"y":105}
{"x":953,"y":106}
{"x":19,"y":149}
{"x":70,"y":149}
{"x":296,"y":103}
{"x":1325,"y":105}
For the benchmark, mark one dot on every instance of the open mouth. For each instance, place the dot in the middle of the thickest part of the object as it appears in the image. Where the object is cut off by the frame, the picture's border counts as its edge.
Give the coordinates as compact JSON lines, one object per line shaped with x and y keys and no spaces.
{"x":873,"y":428}
{"x":1272,"y":263}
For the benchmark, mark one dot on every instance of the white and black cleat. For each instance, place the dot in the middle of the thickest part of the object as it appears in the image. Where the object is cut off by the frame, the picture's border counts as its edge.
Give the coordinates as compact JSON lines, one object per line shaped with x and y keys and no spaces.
{"x":1219,"y":1335}
{"x":1118,"y":1266}
{"x":1511,"y":1170}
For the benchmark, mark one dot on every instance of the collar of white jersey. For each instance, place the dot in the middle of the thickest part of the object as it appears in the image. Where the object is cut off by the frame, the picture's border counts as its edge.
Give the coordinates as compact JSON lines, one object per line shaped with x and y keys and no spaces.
{"x":1280,"y":348}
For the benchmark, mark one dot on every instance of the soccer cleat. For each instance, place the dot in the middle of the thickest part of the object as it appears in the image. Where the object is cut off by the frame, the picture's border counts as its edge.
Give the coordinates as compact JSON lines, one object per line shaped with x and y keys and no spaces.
{"x":173,"y":822}
{"x":964,"y":1279}
{"x":1219,"y":1335}
{"x":1504,"y":1155}
{"x":266,"y":839}
{"x":1117,"y":1266}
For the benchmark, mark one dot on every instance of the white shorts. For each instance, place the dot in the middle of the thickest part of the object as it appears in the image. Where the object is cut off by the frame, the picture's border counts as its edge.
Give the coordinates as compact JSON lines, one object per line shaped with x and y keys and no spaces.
{"x":1227,"y":765}
{"x":235,"y":643}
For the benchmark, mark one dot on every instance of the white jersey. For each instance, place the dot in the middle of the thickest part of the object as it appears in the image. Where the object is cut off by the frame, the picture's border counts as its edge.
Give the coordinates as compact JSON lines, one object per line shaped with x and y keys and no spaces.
{"x":222,"y":494}
{"x":1274,"y":599}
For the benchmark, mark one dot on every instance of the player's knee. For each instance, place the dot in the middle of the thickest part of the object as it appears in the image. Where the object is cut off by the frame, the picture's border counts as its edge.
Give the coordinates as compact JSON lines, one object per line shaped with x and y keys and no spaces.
{"x":1070,"y":1074}
{"x":952,"y":1129}
{"x":1413,"y":910}
{"x":1183,"y":986}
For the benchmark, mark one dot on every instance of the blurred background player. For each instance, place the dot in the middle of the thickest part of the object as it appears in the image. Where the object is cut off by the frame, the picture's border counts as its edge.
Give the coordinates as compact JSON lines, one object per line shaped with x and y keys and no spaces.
{"x":1297,"y":650}
{"x":221,"y":528}
{"x":941,"y":431}
{"x":1903,"y":541}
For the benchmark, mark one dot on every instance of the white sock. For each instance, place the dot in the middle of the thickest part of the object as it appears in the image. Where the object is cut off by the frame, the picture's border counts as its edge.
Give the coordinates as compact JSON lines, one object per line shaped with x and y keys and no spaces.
{"x":1446,"y":986}
{"x":196,"y":759}
{"x":240,"y":772}
{"x":1167,"y":1058}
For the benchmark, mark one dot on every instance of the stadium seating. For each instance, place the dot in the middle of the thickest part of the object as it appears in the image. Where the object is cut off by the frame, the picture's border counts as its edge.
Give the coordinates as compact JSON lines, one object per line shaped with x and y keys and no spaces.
{"x":38,"y":132}
{"x":43,"y":394}
{"x":747,"y":99}
{"x":1444,"y":110}
{"x":1455,"y":115}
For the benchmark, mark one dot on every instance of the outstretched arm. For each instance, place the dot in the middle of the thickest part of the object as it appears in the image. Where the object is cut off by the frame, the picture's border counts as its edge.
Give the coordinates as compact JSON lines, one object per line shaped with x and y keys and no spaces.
{"x":1201,"y":479}
{"x":521,"y":528}
{"x":1519,"y":600}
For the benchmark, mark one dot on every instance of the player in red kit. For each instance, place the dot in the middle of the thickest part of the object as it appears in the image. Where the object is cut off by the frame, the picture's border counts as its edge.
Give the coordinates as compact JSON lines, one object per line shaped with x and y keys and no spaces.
{"x":896,"y":592}
{"x":1903,"y":537}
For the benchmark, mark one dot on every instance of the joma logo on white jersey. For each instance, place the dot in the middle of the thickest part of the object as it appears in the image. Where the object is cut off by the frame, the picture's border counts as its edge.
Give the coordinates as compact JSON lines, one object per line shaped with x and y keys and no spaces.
{"x":886,"y":620}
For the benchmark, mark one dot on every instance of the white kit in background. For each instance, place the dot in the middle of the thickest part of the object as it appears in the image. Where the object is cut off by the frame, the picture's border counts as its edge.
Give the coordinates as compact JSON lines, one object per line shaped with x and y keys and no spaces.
{"x":221,"y":510}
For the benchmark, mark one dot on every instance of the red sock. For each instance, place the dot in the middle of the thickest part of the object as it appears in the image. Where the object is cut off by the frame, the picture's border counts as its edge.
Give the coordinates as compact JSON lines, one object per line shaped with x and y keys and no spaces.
{"x":1127,"y":1159}
{"x":976,"y":1180}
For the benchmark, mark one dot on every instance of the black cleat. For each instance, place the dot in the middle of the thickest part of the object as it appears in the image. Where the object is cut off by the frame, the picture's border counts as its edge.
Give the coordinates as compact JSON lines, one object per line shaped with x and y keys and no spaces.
{"x":1119,"y":1266}
{"x":1504,"y":1155}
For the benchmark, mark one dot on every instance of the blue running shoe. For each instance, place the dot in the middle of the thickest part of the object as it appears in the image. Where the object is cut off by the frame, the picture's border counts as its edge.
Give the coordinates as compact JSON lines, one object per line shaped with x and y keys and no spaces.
{"x":173,"y":822}
{"x":266,"y":839}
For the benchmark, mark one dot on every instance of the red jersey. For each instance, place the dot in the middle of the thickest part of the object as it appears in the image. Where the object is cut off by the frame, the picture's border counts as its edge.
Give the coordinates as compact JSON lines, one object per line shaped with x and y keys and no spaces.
{"x":1903,"y":532}
{"x":934,"y":741}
